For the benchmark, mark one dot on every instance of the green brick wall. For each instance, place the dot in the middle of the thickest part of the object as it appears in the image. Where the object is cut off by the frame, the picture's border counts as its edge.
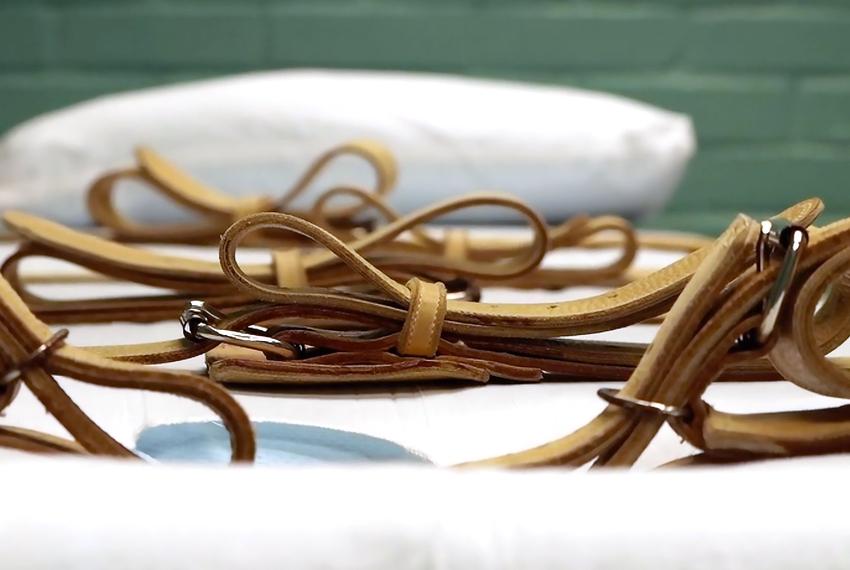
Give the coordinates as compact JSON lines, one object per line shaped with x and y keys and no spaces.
{"x":768,"y":83}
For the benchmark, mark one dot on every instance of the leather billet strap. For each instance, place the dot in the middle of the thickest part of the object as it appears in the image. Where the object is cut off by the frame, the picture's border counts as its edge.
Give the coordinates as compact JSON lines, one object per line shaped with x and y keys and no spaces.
{"x":402,"y":249}
{"x":699,"y":338}
{"x":713,"y":298}
{"x":507,"y":352}
{"x":619,"y":307}
{"x":32,"y":355}
{"x":216,"y":209}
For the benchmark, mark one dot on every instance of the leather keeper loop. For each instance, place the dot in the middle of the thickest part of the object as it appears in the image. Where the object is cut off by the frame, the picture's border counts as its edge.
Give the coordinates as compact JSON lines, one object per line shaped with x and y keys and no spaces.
{"x":423,"y":325}
{"x":456,"y":245}
{"x":289,"y":269}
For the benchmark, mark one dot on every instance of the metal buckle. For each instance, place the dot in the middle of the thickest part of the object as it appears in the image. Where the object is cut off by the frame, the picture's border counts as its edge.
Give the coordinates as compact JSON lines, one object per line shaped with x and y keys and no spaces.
{"x":776,"y":233}
{"x":36,"y":356}
{"x":613,"y":396}
{"x":199,"y":322}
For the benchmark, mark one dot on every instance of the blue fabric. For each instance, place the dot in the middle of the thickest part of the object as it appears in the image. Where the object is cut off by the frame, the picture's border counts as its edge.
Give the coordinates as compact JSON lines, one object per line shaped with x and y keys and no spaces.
{"x":277,"y":444}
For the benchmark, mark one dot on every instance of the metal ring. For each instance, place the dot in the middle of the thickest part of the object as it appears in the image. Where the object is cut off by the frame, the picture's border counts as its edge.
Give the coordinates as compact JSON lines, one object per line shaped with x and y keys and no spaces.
{"x":35,"y":356}
{"x":613,"y":396}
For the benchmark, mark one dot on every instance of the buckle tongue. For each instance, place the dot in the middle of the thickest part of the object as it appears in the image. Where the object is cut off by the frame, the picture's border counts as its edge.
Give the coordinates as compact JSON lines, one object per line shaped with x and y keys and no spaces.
{"x":200,"y":323}
{"x":776,"y":234}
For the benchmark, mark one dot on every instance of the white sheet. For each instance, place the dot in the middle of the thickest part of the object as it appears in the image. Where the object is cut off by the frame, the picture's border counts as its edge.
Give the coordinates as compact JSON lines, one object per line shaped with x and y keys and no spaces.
{"x":100,"y":515}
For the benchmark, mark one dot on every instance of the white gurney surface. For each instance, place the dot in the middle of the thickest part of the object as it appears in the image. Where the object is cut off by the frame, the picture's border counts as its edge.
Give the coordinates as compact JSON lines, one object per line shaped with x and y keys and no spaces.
{"x":102,"y":514}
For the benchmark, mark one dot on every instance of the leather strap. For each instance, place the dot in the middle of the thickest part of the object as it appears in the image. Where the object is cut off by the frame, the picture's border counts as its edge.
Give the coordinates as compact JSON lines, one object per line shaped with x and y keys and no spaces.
{"x":715,"y":305}
{"x":509,"y":262}
{"x":697,"y":340}
{"x":622,"y":306}
{"x":711,"y":299}
{"x":533,"y":357}
{"x":218,"y":210}
{"x":22,"y":336}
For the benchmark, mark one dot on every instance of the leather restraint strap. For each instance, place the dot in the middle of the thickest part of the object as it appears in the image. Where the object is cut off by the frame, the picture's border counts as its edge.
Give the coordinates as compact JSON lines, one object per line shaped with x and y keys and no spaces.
{"x":715,"y":298}
{"x":483,"y":347}
{"x":498,"y":353}
{"x":489,"y":261}
{"x":706,"y":330}
{"x":619,"y":307}
{"x":217,"y":209}
{"x":32,"y":355}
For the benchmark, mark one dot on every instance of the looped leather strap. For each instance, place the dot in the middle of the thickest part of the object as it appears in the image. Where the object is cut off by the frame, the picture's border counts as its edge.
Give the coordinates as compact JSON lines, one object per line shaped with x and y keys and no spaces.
{"x":420,"y":334}
{"x":374,"y":153}
{"x":192,"y":278}
{"x":713,"y":293}
{"x":22,"y":335}
{"x":218,"y":209}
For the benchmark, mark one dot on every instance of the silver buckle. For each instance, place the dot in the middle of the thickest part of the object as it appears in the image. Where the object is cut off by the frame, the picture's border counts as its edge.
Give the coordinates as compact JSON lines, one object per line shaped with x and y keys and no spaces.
{"x":777,"y":233}
{"x":614,"y":397}
{"x":34,"y":357}
{"x":199,"y":322}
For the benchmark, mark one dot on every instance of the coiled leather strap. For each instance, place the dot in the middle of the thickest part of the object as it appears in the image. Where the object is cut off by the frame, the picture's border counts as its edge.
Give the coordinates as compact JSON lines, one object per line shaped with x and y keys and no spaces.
{"x":218,"y":210}
{"x":510,"y":262}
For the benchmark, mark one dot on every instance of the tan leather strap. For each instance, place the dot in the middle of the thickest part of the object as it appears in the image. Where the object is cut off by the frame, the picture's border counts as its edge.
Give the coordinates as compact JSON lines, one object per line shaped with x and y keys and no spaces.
{"x":679,"y":373}
{"x":625,"y":305}
{"x":695,"y":343}
{"x":711,"y":298}
{"x":37,"y":442}
{"x":458,"y":247}
{"x":494,"y":261}
{"x":22,"y":334}
{"x":561,"y":359}
{"x":217,"y":209}
{"x":374,"y":153}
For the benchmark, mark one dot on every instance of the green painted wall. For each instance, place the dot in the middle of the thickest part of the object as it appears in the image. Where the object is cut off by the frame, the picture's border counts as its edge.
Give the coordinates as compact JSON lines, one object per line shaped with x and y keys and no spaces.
{"x":768,"y":83}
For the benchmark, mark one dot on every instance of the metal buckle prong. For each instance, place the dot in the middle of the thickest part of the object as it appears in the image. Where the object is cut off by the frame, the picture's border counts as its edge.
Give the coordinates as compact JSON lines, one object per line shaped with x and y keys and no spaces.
{"x":613,"y":396}
{"x":37,"y":355}
{"x":778,"y":233}
{"x":199,"y":322}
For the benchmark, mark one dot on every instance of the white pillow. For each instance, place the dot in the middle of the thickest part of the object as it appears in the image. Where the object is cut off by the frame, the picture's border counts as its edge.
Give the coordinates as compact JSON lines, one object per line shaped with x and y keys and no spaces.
{"x":563,"y":150}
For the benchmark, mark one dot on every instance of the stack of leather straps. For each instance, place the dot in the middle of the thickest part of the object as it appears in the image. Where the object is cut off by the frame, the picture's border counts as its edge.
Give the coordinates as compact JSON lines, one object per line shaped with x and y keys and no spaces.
{"x":347,"y":299}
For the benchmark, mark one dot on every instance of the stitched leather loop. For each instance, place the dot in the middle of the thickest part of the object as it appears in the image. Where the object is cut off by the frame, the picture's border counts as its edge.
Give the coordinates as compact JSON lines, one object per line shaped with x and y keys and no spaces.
{"x":712,"y":296}
{"x":420,"y":334}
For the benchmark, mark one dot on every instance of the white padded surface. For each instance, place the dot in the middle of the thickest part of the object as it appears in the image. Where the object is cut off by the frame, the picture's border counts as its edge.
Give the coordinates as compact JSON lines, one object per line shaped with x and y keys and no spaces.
{"x":563,"y":150}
